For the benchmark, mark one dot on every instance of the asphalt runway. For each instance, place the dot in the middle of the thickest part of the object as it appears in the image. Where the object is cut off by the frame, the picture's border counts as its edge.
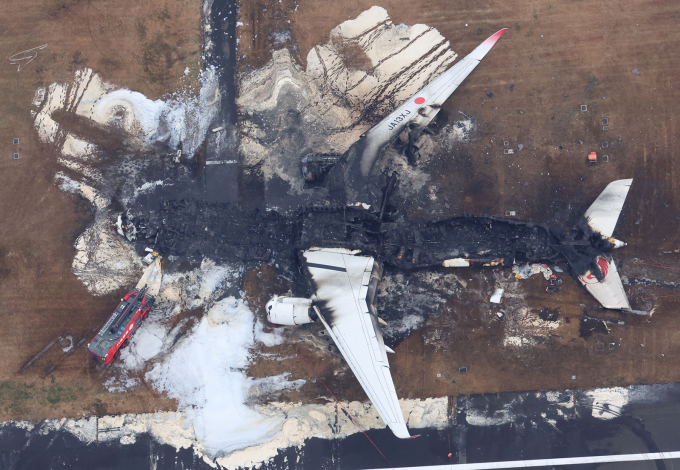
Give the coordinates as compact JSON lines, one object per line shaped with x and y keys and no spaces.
{"x":529,"y":429}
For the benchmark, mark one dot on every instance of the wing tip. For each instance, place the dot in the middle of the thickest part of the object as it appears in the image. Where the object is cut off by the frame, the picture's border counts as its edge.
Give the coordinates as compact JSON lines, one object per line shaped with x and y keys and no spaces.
{"x":491,"y":40}
{"x":400,"y":430}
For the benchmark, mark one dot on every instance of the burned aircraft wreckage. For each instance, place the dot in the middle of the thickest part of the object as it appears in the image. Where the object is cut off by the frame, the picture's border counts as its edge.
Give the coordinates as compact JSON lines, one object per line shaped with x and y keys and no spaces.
{"x":335,"y":251}
{"x":192,"y":229}
{"x":355,"y":213}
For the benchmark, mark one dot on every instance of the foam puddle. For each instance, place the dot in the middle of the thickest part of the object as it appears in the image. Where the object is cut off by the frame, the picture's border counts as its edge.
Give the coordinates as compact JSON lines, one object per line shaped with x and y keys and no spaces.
{"x":204,"y":373}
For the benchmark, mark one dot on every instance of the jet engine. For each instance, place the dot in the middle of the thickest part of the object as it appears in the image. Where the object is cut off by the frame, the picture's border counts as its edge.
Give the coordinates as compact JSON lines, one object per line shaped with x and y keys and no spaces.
{"x":289,"y":311}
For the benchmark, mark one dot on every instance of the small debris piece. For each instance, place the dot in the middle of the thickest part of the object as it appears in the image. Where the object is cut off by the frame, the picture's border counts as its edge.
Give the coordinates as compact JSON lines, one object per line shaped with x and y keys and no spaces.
{"x":439,"y":374}
{"x":508,"y":151}
{"x":554,"y":285}
{"x":592,"y":157}
{"x":510,"y":213}
{"x":636,"y":71}
{"x":462,"y":370}
{"x":496,"y":296}
{"x":604,"y":144}
{"x":16,"y":140}
{"x":506,"y":143}
{"x":605,"y":158}
{"x":573,"y":377}
{"x":16,"y":156}
{"x":584,"y":107}
{"x":604,"y":98}
{"x":490,"y":95}
{"x":549,"y":315}
{"x":605,"y":121}
{"x":520,"y":147}
{"x":217,"y":129}
{"x":500,"y":314}
{"x":527,"y":270}
{"x":605,"y":128}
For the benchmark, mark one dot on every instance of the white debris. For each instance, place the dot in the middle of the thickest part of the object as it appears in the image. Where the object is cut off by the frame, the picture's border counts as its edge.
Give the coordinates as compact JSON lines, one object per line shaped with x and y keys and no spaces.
{"x":496,"y":296}
{"x":525,"y":271}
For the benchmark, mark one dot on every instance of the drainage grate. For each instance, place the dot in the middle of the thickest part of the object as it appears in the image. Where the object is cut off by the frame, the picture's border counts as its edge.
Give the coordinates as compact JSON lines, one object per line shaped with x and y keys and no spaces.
{"x":584,"y":107}
{"x":16,"y":156}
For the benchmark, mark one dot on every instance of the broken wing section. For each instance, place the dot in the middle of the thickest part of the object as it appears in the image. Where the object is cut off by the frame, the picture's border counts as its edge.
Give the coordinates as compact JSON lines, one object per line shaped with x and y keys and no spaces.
{"x":423,"y":107}
{"x":609,"y":291}
{"x":345,"y":288}
{"x":603,"y":214}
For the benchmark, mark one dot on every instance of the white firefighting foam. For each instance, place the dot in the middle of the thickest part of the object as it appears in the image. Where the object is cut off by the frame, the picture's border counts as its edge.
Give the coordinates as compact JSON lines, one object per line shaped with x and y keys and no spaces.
{"x":105,"y":262}
{"x":182,"y":119}
{"x":368,"y":68}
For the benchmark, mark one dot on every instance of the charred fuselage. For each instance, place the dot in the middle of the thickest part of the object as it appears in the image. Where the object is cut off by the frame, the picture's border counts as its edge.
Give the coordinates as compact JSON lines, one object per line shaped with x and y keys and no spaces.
{"x":194,"y":229}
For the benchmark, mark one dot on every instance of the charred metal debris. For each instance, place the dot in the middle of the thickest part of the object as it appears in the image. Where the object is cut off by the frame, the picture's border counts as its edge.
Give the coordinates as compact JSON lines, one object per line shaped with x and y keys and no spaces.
{"x":193,"y":229}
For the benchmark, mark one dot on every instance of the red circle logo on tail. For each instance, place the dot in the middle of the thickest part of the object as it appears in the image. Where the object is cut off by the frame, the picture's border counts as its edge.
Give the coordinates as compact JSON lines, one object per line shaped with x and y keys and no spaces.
{"x":420,"y":100}
{"x":604,"y":266}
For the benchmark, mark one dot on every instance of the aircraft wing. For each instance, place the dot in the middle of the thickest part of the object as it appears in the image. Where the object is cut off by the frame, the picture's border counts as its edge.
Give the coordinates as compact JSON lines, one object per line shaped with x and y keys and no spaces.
{"x":424,"y":106}
{"x":345,"y":288}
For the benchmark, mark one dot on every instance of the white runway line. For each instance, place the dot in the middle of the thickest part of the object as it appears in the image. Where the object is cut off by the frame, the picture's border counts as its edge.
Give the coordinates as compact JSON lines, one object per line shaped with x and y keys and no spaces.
{"x":549,"y":462}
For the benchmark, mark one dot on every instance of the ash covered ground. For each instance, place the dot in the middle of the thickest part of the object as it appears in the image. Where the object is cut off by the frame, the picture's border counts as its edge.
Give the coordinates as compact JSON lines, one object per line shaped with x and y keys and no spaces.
{"x":220,"y":161}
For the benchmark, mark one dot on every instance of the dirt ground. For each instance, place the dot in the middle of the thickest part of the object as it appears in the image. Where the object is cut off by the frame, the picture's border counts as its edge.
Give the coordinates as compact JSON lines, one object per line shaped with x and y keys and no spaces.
{"x":556,"y":57}
{"x":143,"y":45}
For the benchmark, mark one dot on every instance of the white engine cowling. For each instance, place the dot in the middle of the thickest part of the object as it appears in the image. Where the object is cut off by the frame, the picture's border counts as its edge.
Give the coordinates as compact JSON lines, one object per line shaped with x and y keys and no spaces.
{"x":289,"y":310}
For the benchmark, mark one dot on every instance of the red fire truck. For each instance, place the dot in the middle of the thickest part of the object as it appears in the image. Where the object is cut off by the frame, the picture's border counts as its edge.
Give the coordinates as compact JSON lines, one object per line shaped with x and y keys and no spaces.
{"x":126,"y":319}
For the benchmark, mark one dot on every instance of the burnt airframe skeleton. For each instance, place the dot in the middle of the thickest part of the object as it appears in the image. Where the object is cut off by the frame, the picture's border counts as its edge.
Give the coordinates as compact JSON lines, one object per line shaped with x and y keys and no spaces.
{"x":340,"y":247}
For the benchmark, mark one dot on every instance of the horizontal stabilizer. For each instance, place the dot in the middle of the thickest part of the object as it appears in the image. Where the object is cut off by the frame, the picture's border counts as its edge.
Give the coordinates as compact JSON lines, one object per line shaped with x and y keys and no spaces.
{"x":609,"y":291}
{"x":603,"y":214}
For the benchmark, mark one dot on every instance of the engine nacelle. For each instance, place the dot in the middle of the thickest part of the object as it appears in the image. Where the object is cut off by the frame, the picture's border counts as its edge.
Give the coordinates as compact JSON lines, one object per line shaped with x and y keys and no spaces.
{"x":289,"y":311}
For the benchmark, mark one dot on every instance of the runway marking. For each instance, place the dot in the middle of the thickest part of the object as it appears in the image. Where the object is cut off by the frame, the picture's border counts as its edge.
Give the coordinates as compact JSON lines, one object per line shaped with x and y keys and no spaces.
{"x":28,"y":55}
{"x":549,"y":462}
